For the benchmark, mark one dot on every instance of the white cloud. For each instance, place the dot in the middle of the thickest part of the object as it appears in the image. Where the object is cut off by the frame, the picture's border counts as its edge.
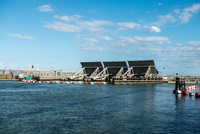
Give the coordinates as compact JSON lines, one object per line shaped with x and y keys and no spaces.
{"x":187,"y":13}
{"x":185,"y":17}
{"x":45,"y":8}
{"x":184,"y":54}
{"x":122,"y":43}
{"x":92,"y":47}
{"x":163,"y":19}
{"x":157,"y":51}
{"x":76,"y":24}
{"x":124,"y":51}
{"x":92,"y":43}
{"x":68,"y":18}
{"x":65,"y":27}
{"x":106,"y":38}
{"x":144,"y":40}
{"x":94,"y":25}
{"x":90,"y":40}
{"x":193,"y":9}
{"x":129,"y":25}
{"x":178,"y":16}
{"x":154,"y":29}
{"x":21,"y":36}
{"x":194,"y":43}
{"x":177,"y":11}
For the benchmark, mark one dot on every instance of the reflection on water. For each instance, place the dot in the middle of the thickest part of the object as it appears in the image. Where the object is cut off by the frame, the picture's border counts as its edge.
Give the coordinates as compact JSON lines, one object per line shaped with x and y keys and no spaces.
{"x":79,"y":108}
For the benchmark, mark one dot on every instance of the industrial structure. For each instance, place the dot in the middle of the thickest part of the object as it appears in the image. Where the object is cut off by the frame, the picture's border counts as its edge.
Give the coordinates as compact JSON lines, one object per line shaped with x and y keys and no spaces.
{"x":117,"y":71}
{"x":116,"y":68}
{"x":143,"y":68}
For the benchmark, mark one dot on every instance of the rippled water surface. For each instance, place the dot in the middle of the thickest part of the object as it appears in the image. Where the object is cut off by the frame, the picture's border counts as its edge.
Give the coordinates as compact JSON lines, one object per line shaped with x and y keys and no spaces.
{"x":78,"y":108}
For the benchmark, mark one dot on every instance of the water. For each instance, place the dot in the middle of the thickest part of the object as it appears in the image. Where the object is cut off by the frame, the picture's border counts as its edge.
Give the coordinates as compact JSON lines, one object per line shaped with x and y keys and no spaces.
{"x":78,"y":108}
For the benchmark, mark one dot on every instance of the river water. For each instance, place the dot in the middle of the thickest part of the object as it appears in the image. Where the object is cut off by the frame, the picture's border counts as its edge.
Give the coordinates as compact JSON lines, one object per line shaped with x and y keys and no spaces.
{"x":90,"y":109}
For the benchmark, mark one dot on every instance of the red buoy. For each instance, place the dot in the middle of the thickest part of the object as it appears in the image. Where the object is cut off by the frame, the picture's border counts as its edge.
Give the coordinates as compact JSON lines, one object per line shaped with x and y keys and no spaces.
{"x":73,"y":82}
{"x":185,"y":93}
{"x":197,"y":94}
{"x":61,"y":82}
{"x":98,"y":83}
{"x":85,"y":82}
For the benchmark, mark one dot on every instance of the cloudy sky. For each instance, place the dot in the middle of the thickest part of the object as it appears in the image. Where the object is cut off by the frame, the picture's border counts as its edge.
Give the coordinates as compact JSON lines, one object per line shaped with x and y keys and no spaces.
{"x":59,"y":34}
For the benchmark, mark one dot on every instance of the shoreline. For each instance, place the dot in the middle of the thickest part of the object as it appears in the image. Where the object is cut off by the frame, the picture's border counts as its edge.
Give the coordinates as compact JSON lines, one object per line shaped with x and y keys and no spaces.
{"x":9,"y":79}
{"x":117,"y":82}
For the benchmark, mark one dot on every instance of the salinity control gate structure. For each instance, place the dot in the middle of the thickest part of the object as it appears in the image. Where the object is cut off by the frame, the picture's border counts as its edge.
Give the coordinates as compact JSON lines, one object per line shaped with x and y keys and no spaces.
{"x":119,"y":72}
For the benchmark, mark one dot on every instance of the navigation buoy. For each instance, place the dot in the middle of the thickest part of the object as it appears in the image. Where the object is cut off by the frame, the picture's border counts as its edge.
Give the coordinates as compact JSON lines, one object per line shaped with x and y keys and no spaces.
{"x":104,"y":83}
{"x":73,"y":83}
{"x":197,"y":94}
{"x":61,"y":82}
{"x":185,"y":93}
{"x":92,"y":83}
{"x":85,"y":82}
{"x":67,"y":82}
{"x":98,"y":83}
{"x":56,"y":82}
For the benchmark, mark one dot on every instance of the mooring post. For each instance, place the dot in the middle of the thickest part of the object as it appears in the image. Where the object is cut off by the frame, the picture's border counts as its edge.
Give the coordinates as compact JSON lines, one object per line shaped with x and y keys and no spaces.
{"x":177,"y":83}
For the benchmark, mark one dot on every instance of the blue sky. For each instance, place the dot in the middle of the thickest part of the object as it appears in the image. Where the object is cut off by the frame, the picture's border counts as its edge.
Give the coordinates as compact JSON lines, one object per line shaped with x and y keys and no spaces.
{"x":59,"y":34}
